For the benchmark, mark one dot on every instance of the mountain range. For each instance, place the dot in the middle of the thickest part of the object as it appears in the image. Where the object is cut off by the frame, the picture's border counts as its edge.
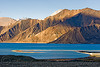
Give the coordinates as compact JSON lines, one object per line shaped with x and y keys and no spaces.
{"x":64,"y":26}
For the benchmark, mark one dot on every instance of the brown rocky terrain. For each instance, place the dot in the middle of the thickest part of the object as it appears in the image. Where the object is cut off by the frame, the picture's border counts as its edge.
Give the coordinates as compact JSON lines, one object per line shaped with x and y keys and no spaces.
{"x":67,"y":26}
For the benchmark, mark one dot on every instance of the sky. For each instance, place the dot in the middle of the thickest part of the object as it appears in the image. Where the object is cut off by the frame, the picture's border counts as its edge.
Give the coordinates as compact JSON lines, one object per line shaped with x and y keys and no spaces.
{"x":40,"y":9}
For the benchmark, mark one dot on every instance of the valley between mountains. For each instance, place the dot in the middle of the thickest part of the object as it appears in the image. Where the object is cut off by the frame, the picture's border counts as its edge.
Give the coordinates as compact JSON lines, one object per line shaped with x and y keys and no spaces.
{"x":65,"y":27}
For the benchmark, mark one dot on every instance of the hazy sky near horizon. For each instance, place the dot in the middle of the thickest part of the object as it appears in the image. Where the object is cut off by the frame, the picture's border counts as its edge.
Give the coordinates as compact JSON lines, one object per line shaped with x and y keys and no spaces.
{"x":39,"y":9}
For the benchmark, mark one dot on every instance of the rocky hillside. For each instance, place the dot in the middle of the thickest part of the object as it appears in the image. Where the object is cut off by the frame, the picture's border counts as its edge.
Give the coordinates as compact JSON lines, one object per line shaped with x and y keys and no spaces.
{"x":65,"y":26}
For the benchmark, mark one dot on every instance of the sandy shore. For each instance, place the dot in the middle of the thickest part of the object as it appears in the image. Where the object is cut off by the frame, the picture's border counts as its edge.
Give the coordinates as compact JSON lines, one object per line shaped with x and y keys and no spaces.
{"x":23,"y":51}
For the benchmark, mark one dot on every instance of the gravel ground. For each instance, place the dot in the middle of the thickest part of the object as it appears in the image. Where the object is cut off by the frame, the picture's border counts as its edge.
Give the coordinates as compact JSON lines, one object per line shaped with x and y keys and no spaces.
{"x":49,"y":64}
{"x":25,"y":61}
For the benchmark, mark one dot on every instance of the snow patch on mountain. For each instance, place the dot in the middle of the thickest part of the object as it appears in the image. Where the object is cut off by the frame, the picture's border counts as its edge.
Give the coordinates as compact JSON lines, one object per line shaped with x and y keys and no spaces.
{"x":56,"y":12}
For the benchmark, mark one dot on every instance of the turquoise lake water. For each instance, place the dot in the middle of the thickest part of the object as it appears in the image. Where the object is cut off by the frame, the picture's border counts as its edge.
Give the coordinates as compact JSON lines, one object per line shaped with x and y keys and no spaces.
{"x":47,"y":51}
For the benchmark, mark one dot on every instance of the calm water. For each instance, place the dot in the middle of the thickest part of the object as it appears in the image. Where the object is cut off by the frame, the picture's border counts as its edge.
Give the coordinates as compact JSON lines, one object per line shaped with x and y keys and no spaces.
{"x":50,"y":51}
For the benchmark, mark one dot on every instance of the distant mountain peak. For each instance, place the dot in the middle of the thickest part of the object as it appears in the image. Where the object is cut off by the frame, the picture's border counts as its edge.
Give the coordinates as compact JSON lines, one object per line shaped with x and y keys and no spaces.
{"x":56,"y":12}
{"x":87,"y":8}
{"x":5,"y":21}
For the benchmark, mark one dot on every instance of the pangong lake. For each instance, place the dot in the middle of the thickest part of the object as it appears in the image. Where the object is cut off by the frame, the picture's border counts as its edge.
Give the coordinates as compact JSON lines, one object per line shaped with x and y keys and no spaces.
{"x":47,"y":51}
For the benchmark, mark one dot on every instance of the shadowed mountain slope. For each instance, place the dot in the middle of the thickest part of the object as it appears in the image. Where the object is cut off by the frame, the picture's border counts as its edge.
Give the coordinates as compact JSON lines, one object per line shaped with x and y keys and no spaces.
{"x":89,"y":34}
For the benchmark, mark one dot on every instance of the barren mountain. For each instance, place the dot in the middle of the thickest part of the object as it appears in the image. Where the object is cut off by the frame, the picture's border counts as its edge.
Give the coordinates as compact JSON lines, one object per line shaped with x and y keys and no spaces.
{"x":5,"y":21}
{"x":64,"y":26}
